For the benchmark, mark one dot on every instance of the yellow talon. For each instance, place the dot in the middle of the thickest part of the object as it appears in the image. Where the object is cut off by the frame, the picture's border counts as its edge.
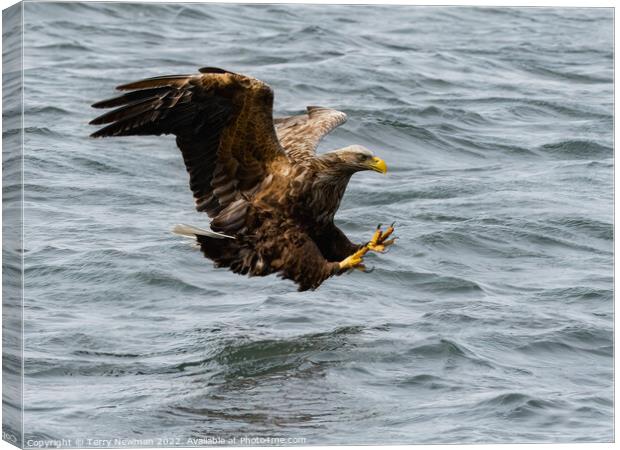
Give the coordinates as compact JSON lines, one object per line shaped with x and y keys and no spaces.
{"x":355,"y":260}
{"x":376,"y":248}
{"x":379,"y":241}
{"x":376,"y":235}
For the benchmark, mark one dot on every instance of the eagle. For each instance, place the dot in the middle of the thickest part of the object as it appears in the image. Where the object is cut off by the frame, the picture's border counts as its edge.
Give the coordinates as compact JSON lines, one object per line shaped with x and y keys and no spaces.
{"x":270,"y":197}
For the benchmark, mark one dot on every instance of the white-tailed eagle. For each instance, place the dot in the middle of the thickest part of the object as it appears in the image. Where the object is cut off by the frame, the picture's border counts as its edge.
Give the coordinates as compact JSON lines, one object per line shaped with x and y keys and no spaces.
{"x":271,"y":197}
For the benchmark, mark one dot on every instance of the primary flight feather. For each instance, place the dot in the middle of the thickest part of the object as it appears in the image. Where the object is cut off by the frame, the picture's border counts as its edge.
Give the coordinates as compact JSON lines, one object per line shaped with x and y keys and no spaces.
{"x":271,"y":197}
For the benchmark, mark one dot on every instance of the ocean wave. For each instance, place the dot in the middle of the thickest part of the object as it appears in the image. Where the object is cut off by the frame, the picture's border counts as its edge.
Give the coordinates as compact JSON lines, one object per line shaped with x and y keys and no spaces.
{"x":62,"y":46}
{"x":564,"y":74}
{"x":426,"y":381}
{"x":448,"y":351}
{"x":557,"y":344}
{"x":588,"y":226}
{"x":54,"y":368}
{"x":440,"y":283}
{"x":517,"y":405}
{"x":163,"y":279}
{"x":577,"y":149}
{"x":578,"y":294}
{"x":47,"y":109}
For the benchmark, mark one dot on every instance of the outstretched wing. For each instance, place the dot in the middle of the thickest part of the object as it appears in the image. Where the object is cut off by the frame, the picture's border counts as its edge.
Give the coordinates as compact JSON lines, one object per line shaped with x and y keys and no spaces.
{"x":223,"y":124}
{"x":300,"y":135}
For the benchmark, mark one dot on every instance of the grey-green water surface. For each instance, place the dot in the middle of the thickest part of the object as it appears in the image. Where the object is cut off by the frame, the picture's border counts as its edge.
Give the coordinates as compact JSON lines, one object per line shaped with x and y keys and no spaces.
{"x":489,"y":321}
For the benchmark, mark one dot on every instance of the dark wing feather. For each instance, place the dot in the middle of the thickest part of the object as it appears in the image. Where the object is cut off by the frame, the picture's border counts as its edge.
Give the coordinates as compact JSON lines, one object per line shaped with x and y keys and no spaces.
{"x":300,"y":135}
{"x":223,"y":125}
{"x":283,"y":249}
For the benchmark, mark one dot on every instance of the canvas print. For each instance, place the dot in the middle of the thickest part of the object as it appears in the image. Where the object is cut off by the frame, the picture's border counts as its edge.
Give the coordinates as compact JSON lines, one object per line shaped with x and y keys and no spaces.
{"x":297,"y":225}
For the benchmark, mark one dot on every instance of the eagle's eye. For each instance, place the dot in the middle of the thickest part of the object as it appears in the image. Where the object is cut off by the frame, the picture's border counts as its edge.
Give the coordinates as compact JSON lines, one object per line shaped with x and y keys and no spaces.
{"x":362,"y":157}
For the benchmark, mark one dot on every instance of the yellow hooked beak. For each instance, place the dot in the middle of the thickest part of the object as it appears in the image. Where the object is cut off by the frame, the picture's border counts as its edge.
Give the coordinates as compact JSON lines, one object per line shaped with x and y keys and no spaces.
{"x":378,"y":165}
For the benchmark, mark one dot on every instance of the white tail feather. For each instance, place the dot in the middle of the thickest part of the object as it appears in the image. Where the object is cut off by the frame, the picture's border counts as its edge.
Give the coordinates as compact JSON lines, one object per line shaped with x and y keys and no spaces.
{"x":191,"y":232}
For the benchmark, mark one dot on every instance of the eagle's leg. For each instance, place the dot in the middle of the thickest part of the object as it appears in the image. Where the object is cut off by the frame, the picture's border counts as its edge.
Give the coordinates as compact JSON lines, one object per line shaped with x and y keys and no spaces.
{"x":354,"y":261}
{"x":380,"y":241}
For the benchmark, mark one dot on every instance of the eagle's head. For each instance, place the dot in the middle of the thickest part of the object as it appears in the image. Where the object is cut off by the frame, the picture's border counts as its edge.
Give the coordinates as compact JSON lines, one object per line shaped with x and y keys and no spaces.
{"x":355,"y":158}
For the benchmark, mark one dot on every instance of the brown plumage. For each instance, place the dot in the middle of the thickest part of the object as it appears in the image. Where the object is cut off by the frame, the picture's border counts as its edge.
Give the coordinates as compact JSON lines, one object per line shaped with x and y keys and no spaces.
{"x":271,"y":198}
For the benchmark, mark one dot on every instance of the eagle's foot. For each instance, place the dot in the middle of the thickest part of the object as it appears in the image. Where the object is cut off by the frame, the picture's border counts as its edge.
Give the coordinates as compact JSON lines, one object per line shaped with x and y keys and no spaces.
{"x":354,"y":261}
{"x":380,"y":241}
